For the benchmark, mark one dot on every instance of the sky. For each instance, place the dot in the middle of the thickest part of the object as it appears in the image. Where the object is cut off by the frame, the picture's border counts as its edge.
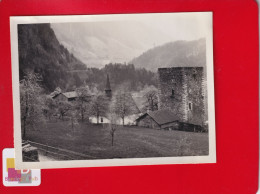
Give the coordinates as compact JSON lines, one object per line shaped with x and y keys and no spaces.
{"x":100,"y":39}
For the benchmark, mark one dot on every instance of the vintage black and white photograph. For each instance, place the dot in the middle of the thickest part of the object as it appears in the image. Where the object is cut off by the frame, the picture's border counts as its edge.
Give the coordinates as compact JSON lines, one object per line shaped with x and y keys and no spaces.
{"x":113,"y":90}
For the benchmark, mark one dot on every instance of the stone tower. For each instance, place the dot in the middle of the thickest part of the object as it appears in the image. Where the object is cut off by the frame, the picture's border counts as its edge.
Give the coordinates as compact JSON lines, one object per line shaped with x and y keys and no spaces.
{"x":108,"y":90}
{"x":182,"y":90}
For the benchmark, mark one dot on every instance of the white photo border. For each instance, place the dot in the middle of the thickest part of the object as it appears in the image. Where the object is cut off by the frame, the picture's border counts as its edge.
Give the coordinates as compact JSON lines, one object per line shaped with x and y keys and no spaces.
{"x":15,"y":20}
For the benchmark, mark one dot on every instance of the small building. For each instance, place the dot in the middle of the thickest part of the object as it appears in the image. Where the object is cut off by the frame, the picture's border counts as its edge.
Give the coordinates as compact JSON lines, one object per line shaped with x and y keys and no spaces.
{"x":59,"y":95}
{"x":160,"y":119}
{"x":102,"y":119}
{"x":69,"y":96}
{"x":129,"y":120}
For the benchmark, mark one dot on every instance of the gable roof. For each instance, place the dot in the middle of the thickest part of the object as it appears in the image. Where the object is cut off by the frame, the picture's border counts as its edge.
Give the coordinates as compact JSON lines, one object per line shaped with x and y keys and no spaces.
{"x":54,"y":94}
{"x":72,"y":94}
{"x":161,"y":116}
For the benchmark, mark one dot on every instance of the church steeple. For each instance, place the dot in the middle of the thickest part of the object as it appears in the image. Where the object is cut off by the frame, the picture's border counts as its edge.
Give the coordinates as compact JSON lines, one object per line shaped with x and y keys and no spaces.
{"x":108,"y":88}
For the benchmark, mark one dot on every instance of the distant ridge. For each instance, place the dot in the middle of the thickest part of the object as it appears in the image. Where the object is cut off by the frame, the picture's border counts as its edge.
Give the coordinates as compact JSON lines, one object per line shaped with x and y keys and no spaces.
{"x":173,"y":54}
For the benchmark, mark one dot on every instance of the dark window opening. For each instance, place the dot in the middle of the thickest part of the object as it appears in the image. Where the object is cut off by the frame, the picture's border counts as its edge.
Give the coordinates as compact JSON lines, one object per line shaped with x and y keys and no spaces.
{"x":194,"y":75}
{"x":172,"y":93}
{"x":101,"y":120}
{"x":190,"y":105}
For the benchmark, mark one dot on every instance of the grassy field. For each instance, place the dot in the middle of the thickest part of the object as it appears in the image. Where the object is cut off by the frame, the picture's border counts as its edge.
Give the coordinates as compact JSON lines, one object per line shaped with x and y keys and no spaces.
{"x":129,"y":142}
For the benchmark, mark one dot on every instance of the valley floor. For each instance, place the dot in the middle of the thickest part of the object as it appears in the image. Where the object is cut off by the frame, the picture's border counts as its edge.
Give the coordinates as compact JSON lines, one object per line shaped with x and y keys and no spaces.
{"x":129,"y":142}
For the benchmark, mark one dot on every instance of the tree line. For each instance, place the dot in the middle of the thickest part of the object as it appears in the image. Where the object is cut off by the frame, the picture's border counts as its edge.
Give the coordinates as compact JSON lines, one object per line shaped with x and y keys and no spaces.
{"x":41,"y":52}
{"x":39,"y":108}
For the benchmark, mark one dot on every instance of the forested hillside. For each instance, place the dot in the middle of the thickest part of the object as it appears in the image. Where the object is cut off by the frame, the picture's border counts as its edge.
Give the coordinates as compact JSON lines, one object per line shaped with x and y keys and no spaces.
{"x":41,"y":52}
{"x":121,"y":75}
{"x":174,"y":54}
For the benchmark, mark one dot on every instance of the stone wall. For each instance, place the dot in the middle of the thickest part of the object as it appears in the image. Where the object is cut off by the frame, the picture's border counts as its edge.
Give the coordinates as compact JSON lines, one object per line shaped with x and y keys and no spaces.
{"x":194,"y":95}
{"x":171,"y":79}
{"x":182,"y":90}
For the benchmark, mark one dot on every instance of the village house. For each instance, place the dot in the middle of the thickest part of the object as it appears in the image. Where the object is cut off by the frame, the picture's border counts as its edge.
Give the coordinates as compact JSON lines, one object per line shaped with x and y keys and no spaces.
{"x":59,"y":95}
{"x":102,"y":119}
{"x":129,"y":120}
{"x":181,"y":100}
{"x":160,"y":119}
{"x":69,"y":96}
{"x":108,"y":98}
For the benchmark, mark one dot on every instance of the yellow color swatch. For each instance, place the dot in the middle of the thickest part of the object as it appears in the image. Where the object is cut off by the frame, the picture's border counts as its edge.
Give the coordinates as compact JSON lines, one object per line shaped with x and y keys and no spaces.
{"x":9,"y":163}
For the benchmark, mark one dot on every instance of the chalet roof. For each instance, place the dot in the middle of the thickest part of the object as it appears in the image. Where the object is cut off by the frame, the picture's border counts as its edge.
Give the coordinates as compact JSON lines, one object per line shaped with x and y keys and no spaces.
{"x":161,"y":116}
{"x":72,"y":94}
{"x":54,"y":94}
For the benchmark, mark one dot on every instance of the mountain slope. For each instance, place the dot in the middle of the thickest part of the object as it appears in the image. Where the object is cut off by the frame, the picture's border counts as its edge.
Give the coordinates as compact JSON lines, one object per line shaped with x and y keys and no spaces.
{"x":41,"y":52}
{"x":173,"y":54}
{"x":100,"y":43}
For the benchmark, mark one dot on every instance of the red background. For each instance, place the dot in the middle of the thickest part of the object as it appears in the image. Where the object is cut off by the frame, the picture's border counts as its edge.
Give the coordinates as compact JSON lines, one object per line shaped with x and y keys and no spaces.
{"x":235,"y":28}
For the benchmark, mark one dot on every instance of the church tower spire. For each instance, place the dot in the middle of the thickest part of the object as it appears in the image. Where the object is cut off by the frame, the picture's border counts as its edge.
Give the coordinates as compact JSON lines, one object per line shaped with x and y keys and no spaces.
{"x":108,"y":88}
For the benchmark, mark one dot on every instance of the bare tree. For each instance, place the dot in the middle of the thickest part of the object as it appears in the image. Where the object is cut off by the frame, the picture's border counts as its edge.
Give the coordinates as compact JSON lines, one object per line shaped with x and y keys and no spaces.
{"x":98,"y":106}
{"x":121,"y":105}
{"x":73,"y":121}
{"x":83,"y":101}
{"x":31,"y":102}
{"x":50,"y":107}
{"x":152,"y":99}
{"x":63,"y":106}
{"x":112,"y":126}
